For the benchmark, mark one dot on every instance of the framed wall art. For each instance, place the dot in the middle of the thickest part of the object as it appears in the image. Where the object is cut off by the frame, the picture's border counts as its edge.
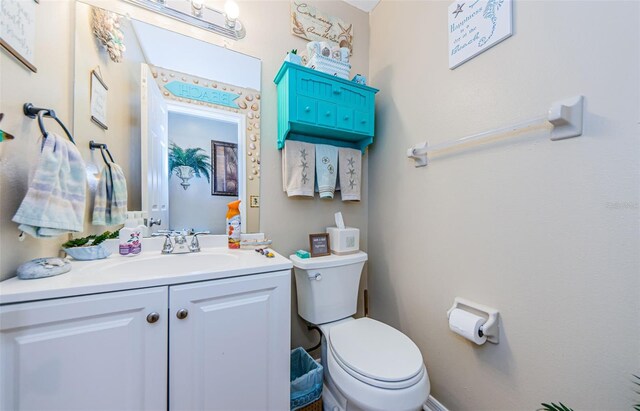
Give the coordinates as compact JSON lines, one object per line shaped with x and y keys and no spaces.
{"x":319,"y":245}
{"x":475,"y":26}
{"x":225,"y":168}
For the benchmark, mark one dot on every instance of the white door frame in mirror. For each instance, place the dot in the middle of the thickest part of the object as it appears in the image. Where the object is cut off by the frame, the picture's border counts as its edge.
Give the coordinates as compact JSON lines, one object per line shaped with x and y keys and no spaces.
{"x":220,"y":115}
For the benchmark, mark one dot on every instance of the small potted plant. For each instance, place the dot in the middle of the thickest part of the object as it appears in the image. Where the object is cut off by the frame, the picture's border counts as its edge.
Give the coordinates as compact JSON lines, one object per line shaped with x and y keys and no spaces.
{"x":90,"y":247}
{"x":292,"y":57}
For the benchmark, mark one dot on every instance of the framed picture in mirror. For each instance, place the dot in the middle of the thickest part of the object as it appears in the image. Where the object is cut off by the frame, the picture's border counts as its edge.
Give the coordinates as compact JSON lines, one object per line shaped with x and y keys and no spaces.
{"x":98,"y":100}
{"x":225,"y":168}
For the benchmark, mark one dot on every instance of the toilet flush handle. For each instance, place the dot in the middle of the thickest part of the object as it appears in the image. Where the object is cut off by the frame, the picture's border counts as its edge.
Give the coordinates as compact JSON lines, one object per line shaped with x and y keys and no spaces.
{"x":315,"y":276}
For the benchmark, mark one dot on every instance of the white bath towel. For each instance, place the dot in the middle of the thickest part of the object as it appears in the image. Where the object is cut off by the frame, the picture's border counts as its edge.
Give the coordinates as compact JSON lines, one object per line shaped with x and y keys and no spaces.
{"x":298,"y":171}
{"x":350,"y":170}
{"x":326,"y":169}
{"x":55,"y":200}
{"x":110,"y":205}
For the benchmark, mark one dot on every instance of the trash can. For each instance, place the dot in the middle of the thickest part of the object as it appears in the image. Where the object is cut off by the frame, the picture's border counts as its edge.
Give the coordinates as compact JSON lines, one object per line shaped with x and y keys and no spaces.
{"x":306,"y":379}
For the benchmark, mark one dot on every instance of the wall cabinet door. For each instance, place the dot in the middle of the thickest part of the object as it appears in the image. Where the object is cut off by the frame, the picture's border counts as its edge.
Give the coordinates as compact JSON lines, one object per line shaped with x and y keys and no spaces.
{"x":229,"y":344}
{"x":96,"y":352}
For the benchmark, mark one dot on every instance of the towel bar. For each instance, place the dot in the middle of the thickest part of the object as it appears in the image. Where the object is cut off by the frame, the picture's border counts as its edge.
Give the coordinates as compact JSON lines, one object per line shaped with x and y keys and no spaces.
{"x":564,"y":116}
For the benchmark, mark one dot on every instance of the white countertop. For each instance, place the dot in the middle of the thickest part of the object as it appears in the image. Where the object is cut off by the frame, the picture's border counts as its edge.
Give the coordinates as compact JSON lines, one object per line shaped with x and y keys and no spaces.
{"x":111,"y":274}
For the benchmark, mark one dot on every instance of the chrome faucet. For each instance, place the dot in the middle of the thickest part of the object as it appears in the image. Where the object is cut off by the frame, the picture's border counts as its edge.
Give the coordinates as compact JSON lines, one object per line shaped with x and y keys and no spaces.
{"x":176,"y":242}
{"x":195,"y":244}
{"x":180,"y":243}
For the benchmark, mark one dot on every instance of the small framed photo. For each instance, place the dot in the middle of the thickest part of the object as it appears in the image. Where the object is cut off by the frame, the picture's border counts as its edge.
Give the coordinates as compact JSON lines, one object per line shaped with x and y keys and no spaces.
{"x":98,"y":100}
{"x":319,"y":245}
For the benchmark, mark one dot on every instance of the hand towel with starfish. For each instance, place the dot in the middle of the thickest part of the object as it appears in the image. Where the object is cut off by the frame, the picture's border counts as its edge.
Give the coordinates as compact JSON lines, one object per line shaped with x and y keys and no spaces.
{"x":298,"y":168}
{"x":350,"y":173}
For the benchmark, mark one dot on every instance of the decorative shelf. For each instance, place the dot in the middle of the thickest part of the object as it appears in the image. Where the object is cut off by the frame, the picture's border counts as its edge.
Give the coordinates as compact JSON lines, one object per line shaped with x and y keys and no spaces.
{"x":318,"y":108}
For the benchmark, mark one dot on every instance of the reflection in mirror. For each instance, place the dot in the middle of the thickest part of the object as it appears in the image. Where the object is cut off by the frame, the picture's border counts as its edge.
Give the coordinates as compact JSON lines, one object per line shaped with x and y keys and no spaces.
{"x":182,"y":117}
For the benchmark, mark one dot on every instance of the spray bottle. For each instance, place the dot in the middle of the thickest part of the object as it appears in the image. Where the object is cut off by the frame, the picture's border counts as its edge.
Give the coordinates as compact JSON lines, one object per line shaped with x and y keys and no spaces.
{"x":234,"y":224}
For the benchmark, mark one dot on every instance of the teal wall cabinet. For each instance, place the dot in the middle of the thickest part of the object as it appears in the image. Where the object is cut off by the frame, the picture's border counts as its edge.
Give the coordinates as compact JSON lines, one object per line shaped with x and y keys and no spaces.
{"x":319,"y":108}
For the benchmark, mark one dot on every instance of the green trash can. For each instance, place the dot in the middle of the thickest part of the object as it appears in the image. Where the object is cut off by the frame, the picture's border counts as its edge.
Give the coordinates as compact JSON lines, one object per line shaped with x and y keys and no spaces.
{"x":306,"y":379}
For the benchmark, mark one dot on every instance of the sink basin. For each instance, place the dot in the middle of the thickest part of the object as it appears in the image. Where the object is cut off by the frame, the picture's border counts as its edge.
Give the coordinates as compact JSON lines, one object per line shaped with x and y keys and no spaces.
{"x":156,"y":264}
{"x":149,"y":269}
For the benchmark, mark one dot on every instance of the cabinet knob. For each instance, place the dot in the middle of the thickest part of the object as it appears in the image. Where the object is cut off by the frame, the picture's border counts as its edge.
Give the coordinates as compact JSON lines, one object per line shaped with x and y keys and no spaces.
{"x":153,"y":317}
{"x":346,"y":117}
{"x":337,"y":91}
{"x":307,"y":109}
{"x":328,"y":113}
{"x":182,"y":313}
{"x":363,"y":121}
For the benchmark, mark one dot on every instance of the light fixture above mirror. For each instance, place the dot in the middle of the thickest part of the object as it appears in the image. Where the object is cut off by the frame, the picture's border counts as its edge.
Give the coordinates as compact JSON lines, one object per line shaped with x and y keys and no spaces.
{"x":197,"y":13}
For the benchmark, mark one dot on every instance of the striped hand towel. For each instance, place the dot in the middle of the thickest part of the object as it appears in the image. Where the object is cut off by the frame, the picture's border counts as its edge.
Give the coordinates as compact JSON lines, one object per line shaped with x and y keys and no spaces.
{"x":110,"y":205}
{"x":55,"y":200}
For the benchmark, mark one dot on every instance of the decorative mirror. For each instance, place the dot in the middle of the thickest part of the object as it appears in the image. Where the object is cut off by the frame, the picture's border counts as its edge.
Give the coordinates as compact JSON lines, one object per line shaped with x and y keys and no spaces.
{"x":183,"y":119}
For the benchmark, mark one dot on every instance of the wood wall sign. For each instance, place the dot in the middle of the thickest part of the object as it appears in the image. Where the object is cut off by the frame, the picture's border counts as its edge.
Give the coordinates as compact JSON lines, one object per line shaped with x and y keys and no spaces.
{"x":313,"y":25}
{"x":98,"y":100}
{"x":18,"y":30}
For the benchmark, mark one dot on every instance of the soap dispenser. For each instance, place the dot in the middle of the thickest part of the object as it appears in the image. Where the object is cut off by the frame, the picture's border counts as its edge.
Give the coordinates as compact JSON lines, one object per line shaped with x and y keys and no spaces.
{"x":130,"y":236}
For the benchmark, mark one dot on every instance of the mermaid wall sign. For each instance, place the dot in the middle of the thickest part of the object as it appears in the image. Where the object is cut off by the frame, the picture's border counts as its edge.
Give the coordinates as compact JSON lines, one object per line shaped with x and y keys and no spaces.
{"x":475,"y":26}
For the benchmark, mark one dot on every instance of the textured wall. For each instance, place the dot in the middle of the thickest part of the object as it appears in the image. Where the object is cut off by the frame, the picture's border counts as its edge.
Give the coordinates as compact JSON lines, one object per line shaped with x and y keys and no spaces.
{"x":547,"y":232}
{"x":51,"y":86}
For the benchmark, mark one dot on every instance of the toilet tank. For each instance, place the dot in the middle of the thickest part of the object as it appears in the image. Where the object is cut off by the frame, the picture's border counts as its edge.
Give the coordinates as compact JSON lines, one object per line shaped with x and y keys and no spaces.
{"x":327,"y":287}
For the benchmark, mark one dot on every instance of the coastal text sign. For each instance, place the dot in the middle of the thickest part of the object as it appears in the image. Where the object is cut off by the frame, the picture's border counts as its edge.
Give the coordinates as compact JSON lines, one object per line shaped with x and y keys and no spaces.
{"x":205,"y":94}
{"x":475,"y":26}
{"x":313,"y":25}
{"x":18,"y":30}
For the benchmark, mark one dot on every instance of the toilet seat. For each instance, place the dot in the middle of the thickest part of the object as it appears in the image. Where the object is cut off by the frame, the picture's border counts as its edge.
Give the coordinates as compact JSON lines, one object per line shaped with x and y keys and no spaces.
{"x":376,"y":354}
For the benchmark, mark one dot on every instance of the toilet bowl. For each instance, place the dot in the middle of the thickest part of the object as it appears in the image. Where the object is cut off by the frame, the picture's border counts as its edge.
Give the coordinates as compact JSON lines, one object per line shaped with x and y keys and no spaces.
{"x":368,"y":365}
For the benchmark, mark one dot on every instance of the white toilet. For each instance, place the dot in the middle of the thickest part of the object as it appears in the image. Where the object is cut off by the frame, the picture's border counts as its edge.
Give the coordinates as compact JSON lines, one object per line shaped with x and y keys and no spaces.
{"x":368,"y":365}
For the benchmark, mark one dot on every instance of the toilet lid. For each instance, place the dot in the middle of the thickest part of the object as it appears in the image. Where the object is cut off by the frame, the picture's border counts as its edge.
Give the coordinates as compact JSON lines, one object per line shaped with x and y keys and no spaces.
{"x":375,"y":350}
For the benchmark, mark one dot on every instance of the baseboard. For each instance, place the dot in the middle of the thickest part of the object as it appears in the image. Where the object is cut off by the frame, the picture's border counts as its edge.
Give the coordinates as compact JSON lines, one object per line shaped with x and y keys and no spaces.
{"x":433,"y":405}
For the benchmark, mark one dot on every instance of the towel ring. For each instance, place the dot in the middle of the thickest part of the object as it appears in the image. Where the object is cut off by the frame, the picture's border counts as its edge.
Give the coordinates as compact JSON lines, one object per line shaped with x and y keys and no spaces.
{"x":33,"y":112}
{"x":103,"y":147}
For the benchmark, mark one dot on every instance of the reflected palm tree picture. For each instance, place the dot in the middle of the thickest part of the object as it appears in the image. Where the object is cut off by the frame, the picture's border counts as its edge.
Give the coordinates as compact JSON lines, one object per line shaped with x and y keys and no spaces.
{"x":188,"y":163}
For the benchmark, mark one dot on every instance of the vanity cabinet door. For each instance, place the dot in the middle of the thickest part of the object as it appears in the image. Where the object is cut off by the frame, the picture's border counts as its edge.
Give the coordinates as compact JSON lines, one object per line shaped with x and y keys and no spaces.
{"x":229,"y":344}
{"x":96,"y":352}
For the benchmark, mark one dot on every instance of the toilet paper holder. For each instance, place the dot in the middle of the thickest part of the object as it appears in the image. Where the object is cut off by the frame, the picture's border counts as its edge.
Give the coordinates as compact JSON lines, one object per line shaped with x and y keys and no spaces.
{"x":491,"y":327}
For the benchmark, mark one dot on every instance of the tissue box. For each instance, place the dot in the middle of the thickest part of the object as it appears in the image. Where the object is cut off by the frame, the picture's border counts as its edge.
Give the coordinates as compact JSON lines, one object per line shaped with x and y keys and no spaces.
{"x":344,"y":240}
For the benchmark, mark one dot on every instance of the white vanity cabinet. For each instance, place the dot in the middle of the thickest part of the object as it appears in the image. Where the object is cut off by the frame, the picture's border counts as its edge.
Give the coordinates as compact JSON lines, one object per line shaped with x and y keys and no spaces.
{"x":229,"y":344}
{"x":85,"y":353}
{"x":220,"y":344}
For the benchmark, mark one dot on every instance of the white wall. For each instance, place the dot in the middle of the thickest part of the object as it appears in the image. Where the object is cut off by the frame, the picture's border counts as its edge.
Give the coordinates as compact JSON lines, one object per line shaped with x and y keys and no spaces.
{"x":195,"y":207}
{"x":547,"y":232}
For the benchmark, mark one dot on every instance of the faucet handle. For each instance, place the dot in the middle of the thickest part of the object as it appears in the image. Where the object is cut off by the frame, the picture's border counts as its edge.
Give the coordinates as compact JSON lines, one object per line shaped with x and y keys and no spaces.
{"x":195,"y":244}
{"x":151,"y":222}
{"x":167,"y":248}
